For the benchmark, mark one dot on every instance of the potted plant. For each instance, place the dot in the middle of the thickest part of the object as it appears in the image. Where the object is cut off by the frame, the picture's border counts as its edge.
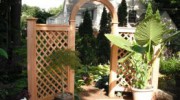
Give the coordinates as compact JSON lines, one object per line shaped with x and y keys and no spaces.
{"x":60,"y":59}
{"x":149,"y":33}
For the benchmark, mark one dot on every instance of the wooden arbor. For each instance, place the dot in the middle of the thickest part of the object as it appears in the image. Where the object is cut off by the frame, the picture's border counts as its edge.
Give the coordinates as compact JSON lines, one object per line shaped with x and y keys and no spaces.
{"x":44,"y":39}
{"x":114,"y":28}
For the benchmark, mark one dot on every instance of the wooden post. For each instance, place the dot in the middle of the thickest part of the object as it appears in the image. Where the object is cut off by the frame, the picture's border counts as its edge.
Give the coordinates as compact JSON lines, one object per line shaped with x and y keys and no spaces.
{"x":113,"y":63}
{"x":71,"y":45}
{"x":71,"y":35}
{"x":155,"y":72}
{"x":31,"y":57}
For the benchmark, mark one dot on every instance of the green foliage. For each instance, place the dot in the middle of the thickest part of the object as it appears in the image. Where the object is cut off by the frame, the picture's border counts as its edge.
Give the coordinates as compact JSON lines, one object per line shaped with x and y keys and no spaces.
{"x":55,"y":11}
{"x":99,"y":71}
{"x":122,"y":13}
{"x":86,"y":46}
{"x":10,"y":12}
{"x":141,"y":67}
{"x":170,"y":66}
{"x":3,"y":93}
{"x":3,"y":53}
{"x":86,"y":42}
{"x":12,"y":89}
{"x":149,"y":33}
{"x":103,"y":45}
{"x":149,"y":11}
{"x":171,"y":7}
{"x":86,"y":75}
{"x":22,"y":53}
{"x":42,"y":15}
{"x":89,"y":74}
{"x":175,"y":45}
{"x":18,"y":85}
{"x":27,"y":12}
{"x":157,"y":15}
{"x":33,"y":11}
{"x":63,"y":58}
{"x":86,"y":26}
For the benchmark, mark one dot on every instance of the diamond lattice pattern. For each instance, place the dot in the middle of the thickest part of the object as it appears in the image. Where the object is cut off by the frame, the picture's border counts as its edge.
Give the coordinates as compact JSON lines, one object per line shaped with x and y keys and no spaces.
{"x":125,"y":70}
{"x":50,"y":82}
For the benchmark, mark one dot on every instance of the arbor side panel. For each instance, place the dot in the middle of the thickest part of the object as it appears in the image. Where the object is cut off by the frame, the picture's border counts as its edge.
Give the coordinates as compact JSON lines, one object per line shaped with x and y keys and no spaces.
{"x":43,"y":82}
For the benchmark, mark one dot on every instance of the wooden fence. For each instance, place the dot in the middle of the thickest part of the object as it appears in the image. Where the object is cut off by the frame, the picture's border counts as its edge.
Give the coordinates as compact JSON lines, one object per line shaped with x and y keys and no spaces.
{"x":43,"y":83}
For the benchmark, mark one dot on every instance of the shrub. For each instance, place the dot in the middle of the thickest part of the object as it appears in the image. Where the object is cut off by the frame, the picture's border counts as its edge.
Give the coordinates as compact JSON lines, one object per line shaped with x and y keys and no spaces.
{"x":122,"y":13}
{"x":170,"y":66}
{"x":63,"y":58}
{"x":90,"y":74}
{"x":103,"y":45}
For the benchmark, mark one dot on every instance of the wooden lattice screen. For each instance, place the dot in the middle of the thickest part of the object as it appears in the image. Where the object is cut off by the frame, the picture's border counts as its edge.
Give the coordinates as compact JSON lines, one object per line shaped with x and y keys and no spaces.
{"x":42,"y":41}
{"x":125,"y":72}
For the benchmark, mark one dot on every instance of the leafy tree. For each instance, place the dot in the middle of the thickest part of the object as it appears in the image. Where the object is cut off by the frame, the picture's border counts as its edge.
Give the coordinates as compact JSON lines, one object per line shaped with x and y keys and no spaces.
{"x":174,"y":45}
{"x":149,"y":11}
{"x":55,"y":10}
{"x":10,"y":38}
{"x":86,"y":27}
{"x":33,"y":11}
{"x":157,"y":15}
{"x":122,"y":13}
{"x":172,"y":8}
{"x":103,"y":45}
{"x":42,"y":15}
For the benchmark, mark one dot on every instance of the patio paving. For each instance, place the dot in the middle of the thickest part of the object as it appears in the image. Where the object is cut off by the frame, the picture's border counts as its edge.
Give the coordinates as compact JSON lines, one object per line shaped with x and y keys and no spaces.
{"x":93,"y":93}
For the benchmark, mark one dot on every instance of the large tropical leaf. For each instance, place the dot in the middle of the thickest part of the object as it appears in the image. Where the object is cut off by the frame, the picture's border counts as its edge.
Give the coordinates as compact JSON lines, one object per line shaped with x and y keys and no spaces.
{"x":120,"y":41}
{"x":139,"y":49}
{"x":149,"y":30}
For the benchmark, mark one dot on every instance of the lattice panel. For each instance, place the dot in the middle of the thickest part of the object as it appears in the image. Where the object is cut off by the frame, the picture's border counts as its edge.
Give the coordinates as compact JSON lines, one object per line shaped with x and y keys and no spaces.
{"x":125,"y":70}
{"x":54,"y":81}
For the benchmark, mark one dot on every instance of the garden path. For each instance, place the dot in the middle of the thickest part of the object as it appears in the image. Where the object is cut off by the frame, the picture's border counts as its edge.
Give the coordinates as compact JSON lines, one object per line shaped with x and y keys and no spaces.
{"x":92,"y":93}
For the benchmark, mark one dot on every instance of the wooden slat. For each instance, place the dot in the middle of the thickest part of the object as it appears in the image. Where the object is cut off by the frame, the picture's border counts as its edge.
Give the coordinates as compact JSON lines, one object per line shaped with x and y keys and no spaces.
{"x":31,"y":48}
{"x":127,"y":29}
{"x":71,"y":45}
{"x":50,"y":27}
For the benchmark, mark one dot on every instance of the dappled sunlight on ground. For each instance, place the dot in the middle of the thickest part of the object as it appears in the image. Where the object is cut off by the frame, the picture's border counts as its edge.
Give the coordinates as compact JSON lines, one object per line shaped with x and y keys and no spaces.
{"x":92,"y":93}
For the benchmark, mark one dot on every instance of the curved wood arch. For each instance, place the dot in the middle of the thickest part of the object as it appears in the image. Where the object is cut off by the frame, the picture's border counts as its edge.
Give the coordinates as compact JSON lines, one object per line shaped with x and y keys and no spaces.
{"x":80,"y":3}
{"x":114,"y":49}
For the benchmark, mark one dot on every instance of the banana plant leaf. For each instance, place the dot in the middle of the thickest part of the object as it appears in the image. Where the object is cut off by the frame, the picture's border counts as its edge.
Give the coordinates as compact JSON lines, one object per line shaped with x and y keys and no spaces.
{"x":150,"y":30}
{"x":120,"y":42}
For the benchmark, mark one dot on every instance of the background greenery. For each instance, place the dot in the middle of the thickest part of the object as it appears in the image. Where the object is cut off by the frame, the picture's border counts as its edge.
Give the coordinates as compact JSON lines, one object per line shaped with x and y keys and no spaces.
{"x":13,"y":76}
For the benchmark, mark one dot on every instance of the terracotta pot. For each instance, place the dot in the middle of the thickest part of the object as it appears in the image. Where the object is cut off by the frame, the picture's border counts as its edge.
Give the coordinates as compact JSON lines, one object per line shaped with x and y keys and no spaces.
{"x":142,"y":94}
{"x":64,"y":96}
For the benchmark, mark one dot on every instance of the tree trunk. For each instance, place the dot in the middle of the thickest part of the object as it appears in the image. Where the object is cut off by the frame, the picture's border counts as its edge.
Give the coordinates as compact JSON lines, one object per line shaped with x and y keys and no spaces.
{"x":14,"y":36}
